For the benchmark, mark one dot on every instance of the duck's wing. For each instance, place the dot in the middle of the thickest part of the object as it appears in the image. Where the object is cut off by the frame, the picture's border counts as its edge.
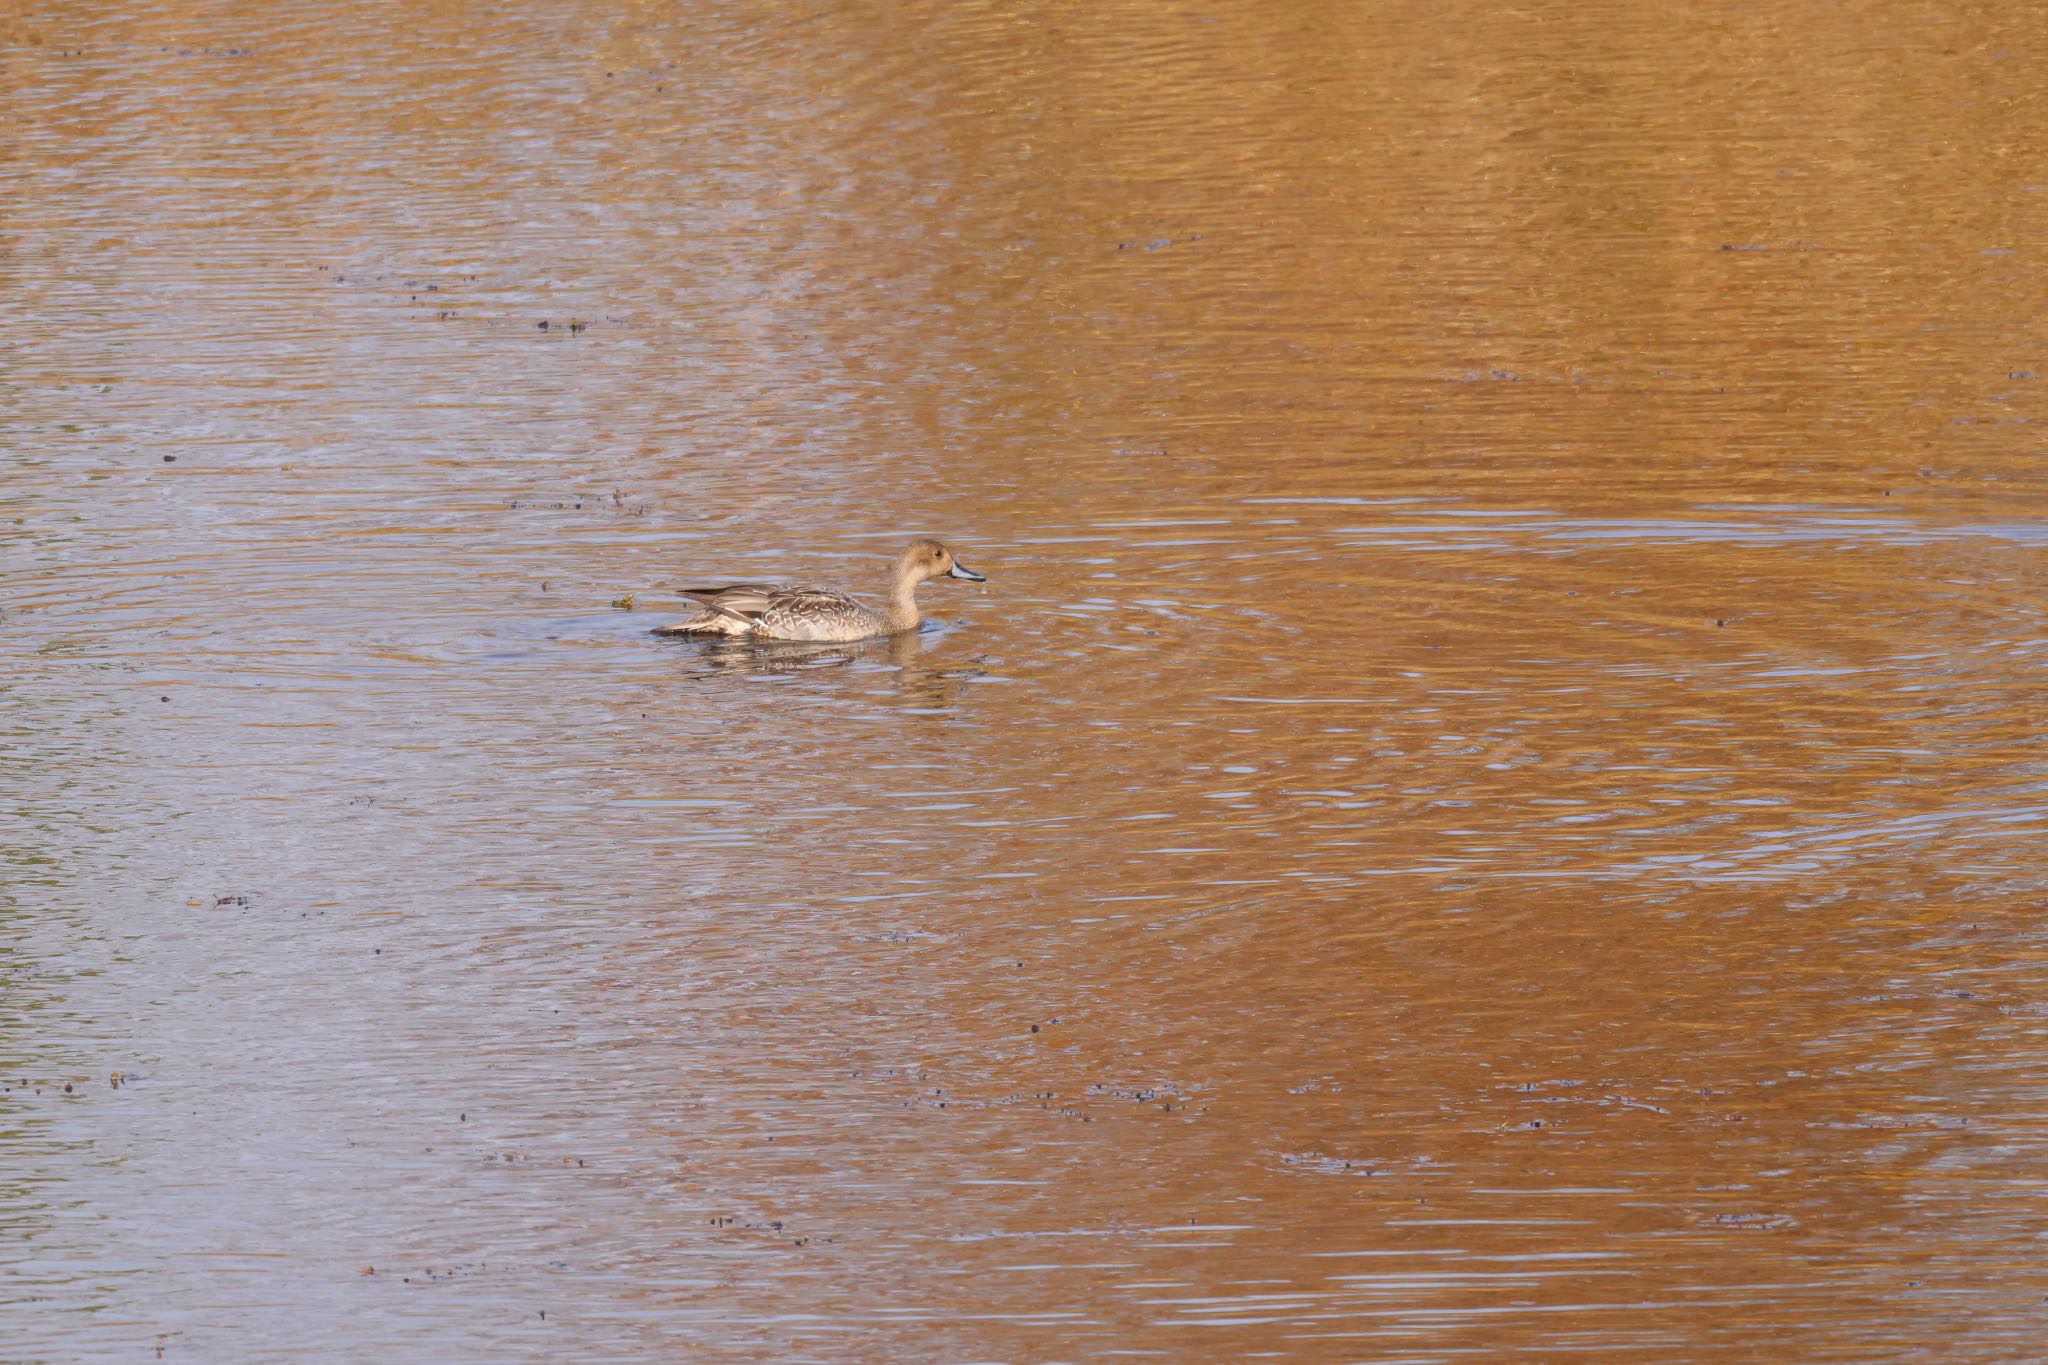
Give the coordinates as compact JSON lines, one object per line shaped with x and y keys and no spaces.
{"x":818,"y":614}
{"x":747,"y":602}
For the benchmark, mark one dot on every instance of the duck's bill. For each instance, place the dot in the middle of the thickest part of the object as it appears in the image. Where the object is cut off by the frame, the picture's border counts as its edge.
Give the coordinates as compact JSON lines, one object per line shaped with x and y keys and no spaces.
{"x":960,"y":570}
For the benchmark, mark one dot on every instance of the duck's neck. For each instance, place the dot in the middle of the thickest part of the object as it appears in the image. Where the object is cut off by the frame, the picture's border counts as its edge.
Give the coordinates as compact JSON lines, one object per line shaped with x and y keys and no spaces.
{"x":902,"y":614}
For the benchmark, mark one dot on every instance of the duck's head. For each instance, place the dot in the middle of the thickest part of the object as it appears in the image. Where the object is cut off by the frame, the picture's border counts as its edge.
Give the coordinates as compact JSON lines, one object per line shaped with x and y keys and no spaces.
{"x":923,"y":560}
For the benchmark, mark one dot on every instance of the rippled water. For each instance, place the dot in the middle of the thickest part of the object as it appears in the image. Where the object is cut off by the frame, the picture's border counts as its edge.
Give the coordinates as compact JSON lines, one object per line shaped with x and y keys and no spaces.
{"x":1492,"y":803}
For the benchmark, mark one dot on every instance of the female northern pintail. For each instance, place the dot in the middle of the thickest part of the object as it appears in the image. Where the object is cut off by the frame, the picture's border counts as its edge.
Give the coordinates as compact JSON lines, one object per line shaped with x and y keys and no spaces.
{"x":762,"y":611}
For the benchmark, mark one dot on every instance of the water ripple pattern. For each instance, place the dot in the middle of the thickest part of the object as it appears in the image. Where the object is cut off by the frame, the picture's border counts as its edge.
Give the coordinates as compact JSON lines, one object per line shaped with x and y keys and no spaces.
{"x":1491,"y":805}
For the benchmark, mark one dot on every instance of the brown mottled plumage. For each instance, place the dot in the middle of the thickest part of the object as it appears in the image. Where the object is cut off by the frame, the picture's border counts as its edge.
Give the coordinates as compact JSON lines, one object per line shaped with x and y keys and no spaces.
{"x":767,"y":611}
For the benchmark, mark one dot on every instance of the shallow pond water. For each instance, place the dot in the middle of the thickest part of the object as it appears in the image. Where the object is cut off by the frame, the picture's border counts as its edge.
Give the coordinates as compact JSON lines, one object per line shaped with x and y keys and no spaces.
{"x":1492,"y":803}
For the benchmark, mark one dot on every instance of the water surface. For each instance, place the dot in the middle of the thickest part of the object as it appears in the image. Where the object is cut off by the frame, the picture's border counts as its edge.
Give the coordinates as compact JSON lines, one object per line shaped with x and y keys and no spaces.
{"x":1491,"y":805}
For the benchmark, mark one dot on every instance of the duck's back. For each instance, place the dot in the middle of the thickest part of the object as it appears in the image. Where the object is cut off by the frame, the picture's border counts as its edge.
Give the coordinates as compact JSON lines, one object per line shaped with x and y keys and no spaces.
{"x":777,"y":612}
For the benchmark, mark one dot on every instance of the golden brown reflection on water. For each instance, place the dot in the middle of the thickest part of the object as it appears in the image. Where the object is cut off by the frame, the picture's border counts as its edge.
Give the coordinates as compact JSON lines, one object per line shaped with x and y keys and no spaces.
{"x":1491,"y":803}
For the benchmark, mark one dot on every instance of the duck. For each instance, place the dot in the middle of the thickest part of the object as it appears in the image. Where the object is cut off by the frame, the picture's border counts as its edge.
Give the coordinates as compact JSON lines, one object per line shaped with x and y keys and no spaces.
{"x":772,"y":611}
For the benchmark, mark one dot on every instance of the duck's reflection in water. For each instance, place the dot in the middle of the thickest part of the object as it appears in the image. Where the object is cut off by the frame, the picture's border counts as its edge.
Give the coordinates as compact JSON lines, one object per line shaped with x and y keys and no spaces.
{"x":921,"y":681}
